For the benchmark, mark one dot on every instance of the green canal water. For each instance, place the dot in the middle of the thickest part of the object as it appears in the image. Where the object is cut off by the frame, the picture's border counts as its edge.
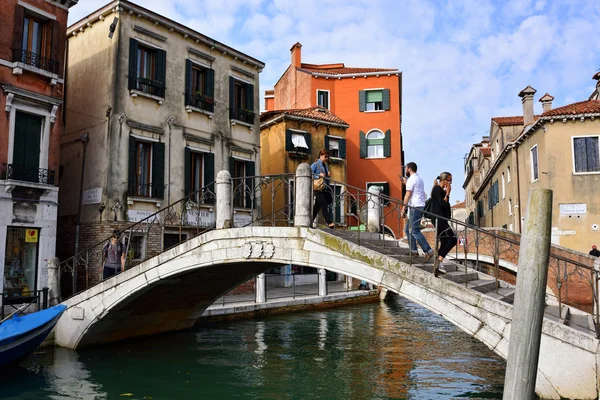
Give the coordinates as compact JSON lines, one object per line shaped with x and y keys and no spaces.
{"x":395,"y":350}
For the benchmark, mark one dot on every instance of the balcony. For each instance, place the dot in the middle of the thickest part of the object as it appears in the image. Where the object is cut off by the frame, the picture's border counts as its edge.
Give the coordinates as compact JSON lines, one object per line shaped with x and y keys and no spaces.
{"x":148,"y":86}
{"x":35,"y":60}
{"x":145,"y":190}
{"x":28,"y":174}
{"x":200,"y":101}
{"x":242,"y":115}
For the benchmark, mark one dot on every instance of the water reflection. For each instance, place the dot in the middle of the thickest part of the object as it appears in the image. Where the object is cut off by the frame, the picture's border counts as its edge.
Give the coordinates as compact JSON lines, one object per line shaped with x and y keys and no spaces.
{"x":378,"y":351}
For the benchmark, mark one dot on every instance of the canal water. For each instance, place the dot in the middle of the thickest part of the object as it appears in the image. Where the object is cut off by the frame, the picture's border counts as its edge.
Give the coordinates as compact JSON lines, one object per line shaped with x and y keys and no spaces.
{"x":395,"y":350}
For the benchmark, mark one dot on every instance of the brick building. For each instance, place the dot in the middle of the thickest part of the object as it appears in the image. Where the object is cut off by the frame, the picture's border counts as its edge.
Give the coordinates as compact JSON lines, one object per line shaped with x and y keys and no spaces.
{"x":32,"y":50}
{"x":370,"y":101}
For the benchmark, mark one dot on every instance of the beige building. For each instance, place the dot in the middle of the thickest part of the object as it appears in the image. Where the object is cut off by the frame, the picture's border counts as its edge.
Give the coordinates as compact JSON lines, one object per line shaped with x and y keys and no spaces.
{"x":165,"y":108}
{"x":558,"y":150}
{"x":477,"y":161}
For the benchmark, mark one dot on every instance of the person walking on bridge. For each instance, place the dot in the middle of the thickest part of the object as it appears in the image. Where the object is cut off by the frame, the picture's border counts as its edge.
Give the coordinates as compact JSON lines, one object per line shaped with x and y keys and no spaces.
{"x":113,"y":256}
{"x":322,"y":188}
{"x":440,"y":197}
{"x":415,"y":201}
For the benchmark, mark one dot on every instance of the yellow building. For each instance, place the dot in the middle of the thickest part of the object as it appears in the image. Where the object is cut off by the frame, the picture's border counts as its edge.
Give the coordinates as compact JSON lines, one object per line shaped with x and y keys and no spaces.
{"x":291,"y":137}
{"x":558,"y":150}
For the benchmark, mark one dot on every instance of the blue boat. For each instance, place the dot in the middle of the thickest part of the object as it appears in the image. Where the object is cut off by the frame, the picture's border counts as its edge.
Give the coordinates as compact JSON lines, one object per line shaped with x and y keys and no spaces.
{"x":21,"y":335}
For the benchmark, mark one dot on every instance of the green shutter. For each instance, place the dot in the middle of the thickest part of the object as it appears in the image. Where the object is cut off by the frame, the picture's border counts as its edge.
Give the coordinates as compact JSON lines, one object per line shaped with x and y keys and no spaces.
{"x":187,"y":172}
{"x":386,"y":99}
{"x":326,"y":142}
{"x":342,"y":150}
{"x":289,"y":145}
{"x":209,"y":86}
{"x":387,"y":147}
{"x":232,"y":110}
{"x":158,"y":170}
{"x":250,"y":172}
{"x":209,"y":177}
{"x":26,"y":147}
{"x":308,"y":138}
{"x":132,"y":163}
{"x":363,"y":145}
{"x":232,"y":166}
{"x":189,"y":82}
{"x":362,"y":100}
{"x":249,"y":92}
{"x":161,"y":69}
{"x":133,"y":50}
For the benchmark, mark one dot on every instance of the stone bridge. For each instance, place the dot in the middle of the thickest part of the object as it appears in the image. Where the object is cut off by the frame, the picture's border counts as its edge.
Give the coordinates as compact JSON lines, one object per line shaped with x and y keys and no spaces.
{"x":170,"y":291}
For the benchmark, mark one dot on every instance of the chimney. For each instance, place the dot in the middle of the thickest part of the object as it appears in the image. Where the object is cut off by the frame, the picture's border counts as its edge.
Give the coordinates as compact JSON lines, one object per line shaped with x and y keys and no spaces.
{"x":596,"y":94}
{"x":526,"y":96}
{"x":546,"y":101}
{"x":296,"y":55}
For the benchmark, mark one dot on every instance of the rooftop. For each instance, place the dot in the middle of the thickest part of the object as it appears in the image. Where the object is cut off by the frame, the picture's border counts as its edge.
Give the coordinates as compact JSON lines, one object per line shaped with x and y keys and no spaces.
{"x":341,"y":69}
{"x":582,"y":107}
{"x":316,"y":113}
{"x":486,"y":151}
{"x":510,"y":121}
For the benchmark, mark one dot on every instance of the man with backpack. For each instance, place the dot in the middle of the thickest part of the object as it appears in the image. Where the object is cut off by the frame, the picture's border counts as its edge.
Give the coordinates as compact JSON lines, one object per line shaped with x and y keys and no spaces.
{"x":113,"y":256}
{"x":415,"y":199}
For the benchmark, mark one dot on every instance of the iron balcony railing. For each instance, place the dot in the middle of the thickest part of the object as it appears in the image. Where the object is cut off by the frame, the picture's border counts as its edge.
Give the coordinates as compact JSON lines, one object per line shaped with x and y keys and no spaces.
{"x":200,"y":101}
{"x":28,"y":174}
{"x":35,"y":60}
{"x":149,"y":86}
{"x":243,"y":115}
{"x":145,"y":190}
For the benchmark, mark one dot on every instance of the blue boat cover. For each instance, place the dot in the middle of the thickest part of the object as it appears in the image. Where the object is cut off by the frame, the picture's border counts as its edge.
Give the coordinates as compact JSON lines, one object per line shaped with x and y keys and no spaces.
{"x":19,"y":325}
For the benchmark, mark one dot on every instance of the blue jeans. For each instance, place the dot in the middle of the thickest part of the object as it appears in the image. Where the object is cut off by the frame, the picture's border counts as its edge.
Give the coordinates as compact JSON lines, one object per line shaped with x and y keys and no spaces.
{"x":413,"y":226}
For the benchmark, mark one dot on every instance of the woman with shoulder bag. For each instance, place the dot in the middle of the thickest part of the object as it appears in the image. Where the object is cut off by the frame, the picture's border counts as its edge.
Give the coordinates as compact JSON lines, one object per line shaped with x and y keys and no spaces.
{"x":322,"y":188}
{"x":440,"y":197}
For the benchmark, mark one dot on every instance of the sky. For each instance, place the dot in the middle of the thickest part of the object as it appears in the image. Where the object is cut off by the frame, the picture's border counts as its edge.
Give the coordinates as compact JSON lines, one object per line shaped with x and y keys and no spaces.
{"x":463,"y":62}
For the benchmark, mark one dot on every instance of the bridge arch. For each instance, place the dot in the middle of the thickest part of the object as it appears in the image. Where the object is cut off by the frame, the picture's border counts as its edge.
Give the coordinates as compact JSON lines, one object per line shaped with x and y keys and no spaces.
{"x":171,"y":291}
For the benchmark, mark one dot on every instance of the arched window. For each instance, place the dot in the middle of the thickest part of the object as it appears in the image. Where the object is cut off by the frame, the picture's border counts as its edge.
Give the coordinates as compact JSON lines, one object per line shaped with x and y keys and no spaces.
{"x":375,"y":144}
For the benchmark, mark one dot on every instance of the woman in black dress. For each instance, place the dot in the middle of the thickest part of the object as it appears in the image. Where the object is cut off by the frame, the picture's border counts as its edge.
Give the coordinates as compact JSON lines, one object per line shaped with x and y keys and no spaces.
{"x":440,"y":195}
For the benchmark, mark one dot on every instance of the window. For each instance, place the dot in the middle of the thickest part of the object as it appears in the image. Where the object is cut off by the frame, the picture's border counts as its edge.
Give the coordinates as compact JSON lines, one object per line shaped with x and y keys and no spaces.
{"x":137,"y":248}
{"x":199,"y":174}
{"x":503,"y":187}
{"x":323,"y":98}
{"x":384,"y":189}
{"x":26,"y":150}
{"x":21,"y":262}
{"x":337,"y":207}
{"x":534,"y":164}
{"x":298,"y":141}
{"x":241,"y":101}
{"x":510,"y":206}
{"x":199,"y":90}
{"x":498,"y":146}
{"x":374,"y":100}
{"x":34,"y":42}
{"x":147,"y":68}
{"x":508,"y":174}
{"x":243,"y":185}
{"x":375,"y":144}
{"x":173,"y":239}
{"x":146,"y":168}
{"x":336,"y":146}
{"x":585,"y":154}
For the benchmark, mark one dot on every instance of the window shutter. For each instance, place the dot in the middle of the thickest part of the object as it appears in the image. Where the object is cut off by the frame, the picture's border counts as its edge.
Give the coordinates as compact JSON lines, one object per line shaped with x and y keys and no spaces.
{"x":289,"y":145}
{"x":158,"y":170}
{"x":386,"y":99}
{"x":362,"y":100}
{"x":189,"y":82}
{"x":326,"y":142}
{"x":250,"y":171}
{"x":387,"y":147}
{"x":187,"y":173}
{"x":232,"y":167}
{"x":209,"y":87}
{"x":308,"y":138}
{"x":209,"y":177}
{"x":161,"y":68}
{"x":363,"y":144}
{"x":249,"y":97}
{"x":342,"y":150}
{"x":385,"y":190}
{"x":232,"y":110}
{"x":132,"y":164}
{"x":133,"y":50}
{"x":54,"y":46}
{"x":18,"y":32}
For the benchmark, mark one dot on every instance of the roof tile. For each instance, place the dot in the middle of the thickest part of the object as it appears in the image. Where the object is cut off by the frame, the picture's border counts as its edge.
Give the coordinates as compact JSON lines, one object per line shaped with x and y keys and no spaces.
{"x":318,"y":113}
{"x":341,"y":69}
{"x":486,"y":151}
{"x":582,"y":107}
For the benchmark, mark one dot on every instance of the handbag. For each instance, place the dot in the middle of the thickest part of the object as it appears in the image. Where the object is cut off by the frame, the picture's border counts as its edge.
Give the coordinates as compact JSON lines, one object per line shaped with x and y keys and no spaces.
{"x":319,"y":184}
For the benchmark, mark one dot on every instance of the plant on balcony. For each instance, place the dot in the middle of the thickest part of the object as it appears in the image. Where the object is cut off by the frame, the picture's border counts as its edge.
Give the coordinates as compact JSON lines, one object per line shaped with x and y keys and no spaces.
{"x":249,"y":113}
{"x":204,"y":98}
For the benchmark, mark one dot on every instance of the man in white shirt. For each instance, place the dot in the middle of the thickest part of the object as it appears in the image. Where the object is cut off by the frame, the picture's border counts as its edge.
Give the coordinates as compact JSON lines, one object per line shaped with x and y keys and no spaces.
{"x":415,"y":200}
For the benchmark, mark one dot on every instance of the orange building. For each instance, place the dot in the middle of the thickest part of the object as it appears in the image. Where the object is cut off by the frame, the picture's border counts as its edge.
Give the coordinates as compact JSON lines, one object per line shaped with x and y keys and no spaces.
{"x":370,"y":101}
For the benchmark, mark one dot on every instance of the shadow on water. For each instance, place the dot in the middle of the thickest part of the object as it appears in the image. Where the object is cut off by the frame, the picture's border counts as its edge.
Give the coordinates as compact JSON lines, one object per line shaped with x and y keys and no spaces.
{"x":396,"y":350}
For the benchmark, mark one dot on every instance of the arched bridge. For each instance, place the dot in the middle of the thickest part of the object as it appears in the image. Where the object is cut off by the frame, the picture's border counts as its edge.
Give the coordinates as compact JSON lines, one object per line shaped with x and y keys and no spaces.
{"x":171,"y":290}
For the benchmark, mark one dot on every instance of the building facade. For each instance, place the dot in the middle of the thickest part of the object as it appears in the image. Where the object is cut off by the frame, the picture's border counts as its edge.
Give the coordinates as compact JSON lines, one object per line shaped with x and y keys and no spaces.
{"x":370,"y":101}
{"x":557,"y":149}
{"x":32,"y":50}
{"x":164,"y":108}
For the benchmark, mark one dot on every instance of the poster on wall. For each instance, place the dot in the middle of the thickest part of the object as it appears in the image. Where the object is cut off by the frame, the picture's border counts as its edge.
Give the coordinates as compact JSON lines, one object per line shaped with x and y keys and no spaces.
{"x":241,"y":219}
{"x":31,"y":236}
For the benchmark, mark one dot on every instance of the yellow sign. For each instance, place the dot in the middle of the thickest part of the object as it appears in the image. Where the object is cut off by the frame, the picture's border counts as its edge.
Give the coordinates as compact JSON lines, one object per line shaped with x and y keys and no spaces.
{"x":31,"y":236}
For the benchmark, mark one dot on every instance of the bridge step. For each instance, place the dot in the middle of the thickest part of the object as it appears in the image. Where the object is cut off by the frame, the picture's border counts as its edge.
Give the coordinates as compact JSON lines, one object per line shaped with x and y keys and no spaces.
{"x":581,"y":322}
{"x":460,"y":276}
{"x":482,"y":285}
{"x":504,"y":294}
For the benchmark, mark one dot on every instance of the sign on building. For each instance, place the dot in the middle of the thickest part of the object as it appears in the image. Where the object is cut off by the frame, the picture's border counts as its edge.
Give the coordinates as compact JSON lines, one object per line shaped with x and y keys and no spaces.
{"x":31,"y":235}
{"x":572,"y":209}
{"x":137,"y":216}
{"x":241,"y":219}
{"x":202,"y":218}
{"x":92,"y":196}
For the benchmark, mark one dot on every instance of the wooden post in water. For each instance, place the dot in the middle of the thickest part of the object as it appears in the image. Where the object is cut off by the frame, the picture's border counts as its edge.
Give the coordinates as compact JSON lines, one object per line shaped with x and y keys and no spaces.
{"x":530,"y":294}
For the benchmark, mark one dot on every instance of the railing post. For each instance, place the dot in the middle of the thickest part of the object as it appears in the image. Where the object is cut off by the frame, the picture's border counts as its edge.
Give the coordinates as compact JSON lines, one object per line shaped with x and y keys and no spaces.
{"x":373,"y":209}
{"x":261,"y":289}
{"x":528,"y":310}
{"x":44,"y":298}
{"x":322,"y":282}
{"x":224,"y":209}
{"x":53,"y":280}
{"x":304,"y":196}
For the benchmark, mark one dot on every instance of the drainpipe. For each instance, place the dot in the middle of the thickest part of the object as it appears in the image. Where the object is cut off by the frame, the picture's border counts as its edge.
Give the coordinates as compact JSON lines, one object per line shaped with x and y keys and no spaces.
{"x":85,"y":138}
{"x":518,"y":186}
